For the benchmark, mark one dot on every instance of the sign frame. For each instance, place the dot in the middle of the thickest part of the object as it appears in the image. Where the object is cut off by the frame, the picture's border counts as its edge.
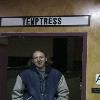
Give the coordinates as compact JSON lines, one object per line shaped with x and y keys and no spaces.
{"x":45,"y":21}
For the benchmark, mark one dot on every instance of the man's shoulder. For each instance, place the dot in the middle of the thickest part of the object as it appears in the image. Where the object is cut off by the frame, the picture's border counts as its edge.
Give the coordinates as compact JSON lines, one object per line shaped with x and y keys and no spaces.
{"x":55,"y":74}
{"x":55,"y":71}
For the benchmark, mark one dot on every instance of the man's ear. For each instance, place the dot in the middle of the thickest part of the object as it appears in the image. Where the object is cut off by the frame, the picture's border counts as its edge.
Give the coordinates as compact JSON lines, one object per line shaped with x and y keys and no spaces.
{"x":32,"y":61}
{"x":46,"y":59}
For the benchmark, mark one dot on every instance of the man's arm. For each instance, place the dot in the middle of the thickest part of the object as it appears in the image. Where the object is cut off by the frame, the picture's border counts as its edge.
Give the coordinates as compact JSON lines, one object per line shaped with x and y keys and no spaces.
{"x":17,"y":92}
{"x":62,"y":90}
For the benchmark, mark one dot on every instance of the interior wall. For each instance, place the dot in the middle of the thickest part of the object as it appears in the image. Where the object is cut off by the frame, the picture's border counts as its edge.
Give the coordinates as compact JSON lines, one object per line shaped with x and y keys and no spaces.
{"x":3,"y":40}
{"x":24,"y":47}
{"x":62,"y":7}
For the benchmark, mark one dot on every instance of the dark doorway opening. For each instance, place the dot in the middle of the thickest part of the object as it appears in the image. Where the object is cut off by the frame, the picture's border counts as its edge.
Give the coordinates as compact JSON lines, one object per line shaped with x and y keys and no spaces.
{"x":66,"y":48}
{"x":67,"y":53}
{"x":60,"y":53}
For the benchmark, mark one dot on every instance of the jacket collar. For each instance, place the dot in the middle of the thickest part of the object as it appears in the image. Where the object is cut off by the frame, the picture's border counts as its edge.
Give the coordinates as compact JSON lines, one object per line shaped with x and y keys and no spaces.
{"x":47,"y":69}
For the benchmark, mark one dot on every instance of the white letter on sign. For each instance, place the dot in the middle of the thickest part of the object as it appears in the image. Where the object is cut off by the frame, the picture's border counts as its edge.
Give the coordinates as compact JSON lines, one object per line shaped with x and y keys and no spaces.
{"x":97,"y":78}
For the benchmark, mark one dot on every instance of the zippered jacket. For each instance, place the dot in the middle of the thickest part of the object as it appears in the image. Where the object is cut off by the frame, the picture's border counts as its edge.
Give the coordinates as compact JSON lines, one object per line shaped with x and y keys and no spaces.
{"x":36,"y":86}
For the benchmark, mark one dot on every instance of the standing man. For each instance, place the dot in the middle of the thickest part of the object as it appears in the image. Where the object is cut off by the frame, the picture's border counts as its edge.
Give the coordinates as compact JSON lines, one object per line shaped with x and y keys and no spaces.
{"x":40,"y":82}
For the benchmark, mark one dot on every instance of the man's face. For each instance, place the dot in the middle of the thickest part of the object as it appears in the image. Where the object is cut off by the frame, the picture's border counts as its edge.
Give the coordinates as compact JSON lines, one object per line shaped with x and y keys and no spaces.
{"x":39,"y":59}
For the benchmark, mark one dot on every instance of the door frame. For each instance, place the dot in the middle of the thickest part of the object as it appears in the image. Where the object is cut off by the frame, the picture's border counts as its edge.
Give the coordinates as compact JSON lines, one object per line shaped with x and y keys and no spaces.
{"x":84,"y":54}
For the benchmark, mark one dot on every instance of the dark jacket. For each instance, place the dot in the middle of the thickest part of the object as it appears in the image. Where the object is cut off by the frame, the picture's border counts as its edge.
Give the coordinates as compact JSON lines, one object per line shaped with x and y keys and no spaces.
{"x":38,"y":87}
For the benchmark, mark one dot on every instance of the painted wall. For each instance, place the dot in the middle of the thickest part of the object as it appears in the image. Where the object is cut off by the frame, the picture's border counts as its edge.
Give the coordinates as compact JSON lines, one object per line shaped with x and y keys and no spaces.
{"x":62,"y":7}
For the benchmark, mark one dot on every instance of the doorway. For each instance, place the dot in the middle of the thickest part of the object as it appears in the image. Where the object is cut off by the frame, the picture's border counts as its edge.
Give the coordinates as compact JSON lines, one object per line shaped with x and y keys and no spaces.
{"x":67,"y":51}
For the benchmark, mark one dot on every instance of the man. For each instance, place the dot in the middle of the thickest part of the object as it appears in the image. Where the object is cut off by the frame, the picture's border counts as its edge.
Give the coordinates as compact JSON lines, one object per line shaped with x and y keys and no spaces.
{"x":40,"y":82}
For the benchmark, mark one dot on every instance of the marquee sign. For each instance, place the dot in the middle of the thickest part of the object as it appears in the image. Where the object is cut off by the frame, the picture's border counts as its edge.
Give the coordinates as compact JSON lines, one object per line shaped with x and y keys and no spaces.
{"x":31,"y":21}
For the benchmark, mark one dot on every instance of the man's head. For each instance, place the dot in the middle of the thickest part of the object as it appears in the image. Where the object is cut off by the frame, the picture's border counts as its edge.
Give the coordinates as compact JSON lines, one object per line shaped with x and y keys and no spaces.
{"x":39,"y":59}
